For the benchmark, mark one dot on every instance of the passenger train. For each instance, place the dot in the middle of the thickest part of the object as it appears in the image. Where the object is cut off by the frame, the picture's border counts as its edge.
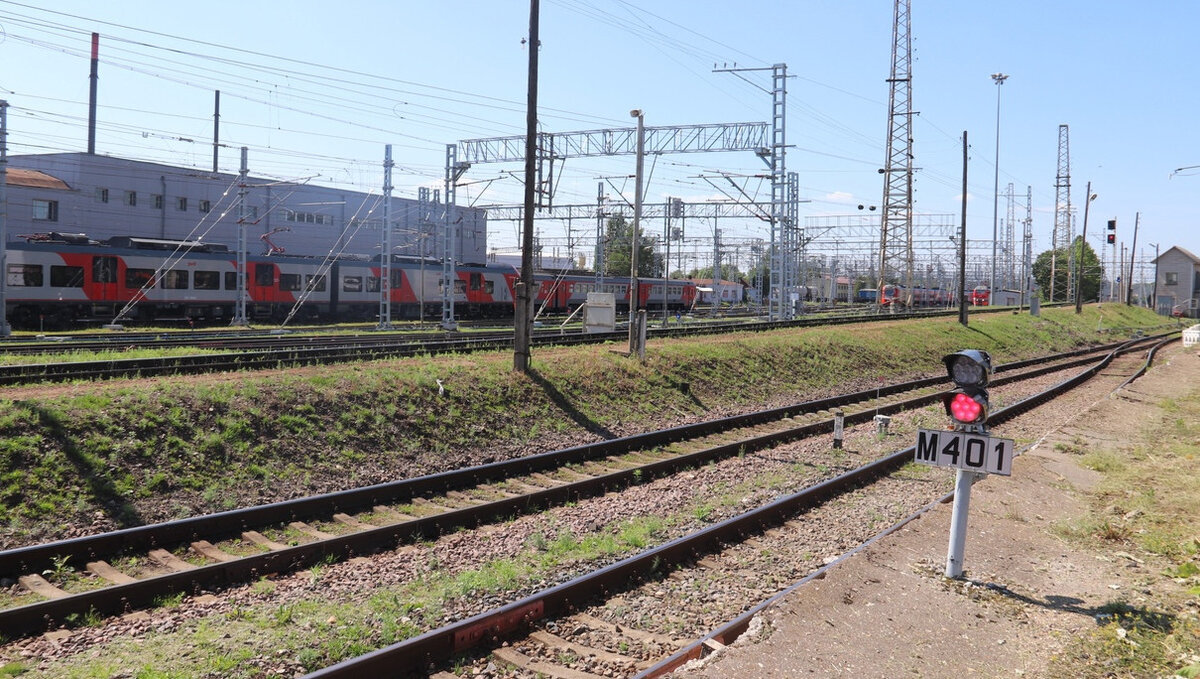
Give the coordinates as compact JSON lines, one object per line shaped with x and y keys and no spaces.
{"x":57,"y":280}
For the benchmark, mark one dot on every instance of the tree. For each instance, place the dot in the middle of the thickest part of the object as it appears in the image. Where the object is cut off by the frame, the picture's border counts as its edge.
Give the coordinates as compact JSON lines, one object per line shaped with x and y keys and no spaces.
{"x":1089,"y":284}
{"x":729,"y":272}
{"x":617,"y":237}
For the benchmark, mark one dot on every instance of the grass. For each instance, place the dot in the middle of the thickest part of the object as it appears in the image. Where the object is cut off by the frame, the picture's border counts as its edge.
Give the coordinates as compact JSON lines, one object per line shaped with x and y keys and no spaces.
{"x":1146,"y":503}
{"x":121,"y":449}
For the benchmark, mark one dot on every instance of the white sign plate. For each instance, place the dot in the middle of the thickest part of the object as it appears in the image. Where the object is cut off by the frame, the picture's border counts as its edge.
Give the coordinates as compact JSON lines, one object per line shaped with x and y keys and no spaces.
{"x":971,"y":452}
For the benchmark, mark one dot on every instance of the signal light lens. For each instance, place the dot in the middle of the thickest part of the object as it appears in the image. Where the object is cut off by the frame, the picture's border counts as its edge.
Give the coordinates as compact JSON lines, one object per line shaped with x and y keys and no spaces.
{"x":966,"y":409}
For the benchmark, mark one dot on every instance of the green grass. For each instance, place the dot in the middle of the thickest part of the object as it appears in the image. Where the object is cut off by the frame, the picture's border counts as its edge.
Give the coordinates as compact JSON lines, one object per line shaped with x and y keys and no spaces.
{"x":1146,"y":503}
{"x":126,"y":449}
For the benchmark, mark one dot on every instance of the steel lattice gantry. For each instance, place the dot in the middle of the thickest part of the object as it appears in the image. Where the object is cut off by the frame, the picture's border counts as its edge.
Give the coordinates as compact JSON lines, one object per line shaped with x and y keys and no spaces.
{"x":895,"y":238}
{"x":1062,"y":236}
{"x":556,"y":146}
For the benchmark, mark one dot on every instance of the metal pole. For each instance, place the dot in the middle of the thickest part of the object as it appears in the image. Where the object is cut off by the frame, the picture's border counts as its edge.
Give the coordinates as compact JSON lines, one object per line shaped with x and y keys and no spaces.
{"x":5,"y":329}
{"x":523,"y":327}
{"x":385,"y":261}
{"x":1132,"y":249}
{"x":216,"y":128}
{"x":635,"y":236}
{"x":1087,"y":202}
{"x":94,"y":80}
{"x":667,"y":257}
{"x":999,"y":78}
{"x":962,"y":246}
{"x":239,"y":314}
{"x":1154,"y":288}
{"x":958,"y":522}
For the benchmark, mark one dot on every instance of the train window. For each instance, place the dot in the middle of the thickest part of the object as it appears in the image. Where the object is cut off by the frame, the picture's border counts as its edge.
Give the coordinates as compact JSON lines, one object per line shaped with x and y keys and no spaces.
{"x":66,"y":276}
{"x":316,"y":283}
{"x":207,"y":280}
{"x":25,"y":275}
{"x":104,"y":270}
{"x":476,"y":281}
{"x":175,"y":280}
{"x":136,"y":279}
{"x":351,"y":283}
{"x":489,"y":287}
{"x":264,"y":274}
{"x":231,"y":280}
{"x":397,"y":278}
{"x":289,"y":281}
{"x":372,"y":283}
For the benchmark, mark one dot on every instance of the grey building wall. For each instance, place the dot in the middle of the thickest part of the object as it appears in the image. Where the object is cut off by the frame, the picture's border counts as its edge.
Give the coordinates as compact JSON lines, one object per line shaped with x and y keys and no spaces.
{"x":1178,"y":282}
{"x":116,"y":197}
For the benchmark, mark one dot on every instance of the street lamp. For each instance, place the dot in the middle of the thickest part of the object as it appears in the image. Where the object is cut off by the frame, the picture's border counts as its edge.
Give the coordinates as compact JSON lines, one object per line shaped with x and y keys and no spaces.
{"x":999,"y":78}
{"x":1082,"y":242}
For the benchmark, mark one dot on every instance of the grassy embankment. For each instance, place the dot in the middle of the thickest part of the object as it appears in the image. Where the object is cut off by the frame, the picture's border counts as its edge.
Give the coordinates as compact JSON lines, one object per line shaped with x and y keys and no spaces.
{"x":132,"y":451}
{"x":1144,"y":510}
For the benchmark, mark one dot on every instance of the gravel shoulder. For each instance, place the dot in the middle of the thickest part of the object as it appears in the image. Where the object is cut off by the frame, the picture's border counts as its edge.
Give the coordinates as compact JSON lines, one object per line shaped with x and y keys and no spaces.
{"x":888,"y":611}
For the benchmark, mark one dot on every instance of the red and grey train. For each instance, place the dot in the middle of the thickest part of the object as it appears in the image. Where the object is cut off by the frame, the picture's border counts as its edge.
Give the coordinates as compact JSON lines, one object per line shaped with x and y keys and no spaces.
{"x":57,"y":280}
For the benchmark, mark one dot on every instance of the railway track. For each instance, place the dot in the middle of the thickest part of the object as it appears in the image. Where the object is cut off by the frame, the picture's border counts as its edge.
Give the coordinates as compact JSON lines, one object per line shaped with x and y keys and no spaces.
{"x":235,"y":353}
{"x":132,"y":568}
{"x":566,"y":631}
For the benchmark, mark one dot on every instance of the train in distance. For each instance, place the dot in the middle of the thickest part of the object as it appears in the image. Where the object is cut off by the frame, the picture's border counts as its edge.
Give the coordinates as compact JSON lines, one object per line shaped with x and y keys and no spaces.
{"x":58,"y":280}
{"x":897,"y":295}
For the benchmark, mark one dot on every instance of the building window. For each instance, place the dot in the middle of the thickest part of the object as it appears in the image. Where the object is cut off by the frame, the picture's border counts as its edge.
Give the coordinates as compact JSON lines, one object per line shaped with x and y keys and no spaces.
{"x":205,"y":206}
{"x":158,"y":201}
{"x":45,"y":210}
{"x":102,"y":195}
{"x":1172,"y":278}
{"x":253,"y":209}
{"x":181,"y":204}
{"x":131,"y":198}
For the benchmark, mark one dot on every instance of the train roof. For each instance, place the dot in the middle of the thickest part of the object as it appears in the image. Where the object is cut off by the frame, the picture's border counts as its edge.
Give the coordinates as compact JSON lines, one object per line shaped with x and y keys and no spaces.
{"x":136,"y":243}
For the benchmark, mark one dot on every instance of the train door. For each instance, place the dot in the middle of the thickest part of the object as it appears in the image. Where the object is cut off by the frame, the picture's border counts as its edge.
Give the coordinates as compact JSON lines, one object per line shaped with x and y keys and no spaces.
{"x":104,"y":291}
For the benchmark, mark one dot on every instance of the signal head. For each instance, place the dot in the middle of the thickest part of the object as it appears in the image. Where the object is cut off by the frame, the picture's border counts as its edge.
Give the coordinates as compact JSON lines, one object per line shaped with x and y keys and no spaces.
{"x":970,"y":369}
{"x":966,"y":408}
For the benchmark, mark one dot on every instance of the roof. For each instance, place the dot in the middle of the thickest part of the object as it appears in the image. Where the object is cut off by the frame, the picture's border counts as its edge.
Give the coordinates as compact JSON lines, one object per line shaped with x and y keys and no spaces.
{"x":34,"y":179}
{"x":1185,"y":253}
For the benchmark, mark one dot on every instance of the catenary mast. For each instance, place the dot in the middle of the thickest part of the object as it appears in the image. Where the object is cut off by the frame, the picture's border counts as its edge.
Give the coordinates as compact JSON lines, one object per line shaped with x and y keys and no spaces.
{"x":895,"y":239}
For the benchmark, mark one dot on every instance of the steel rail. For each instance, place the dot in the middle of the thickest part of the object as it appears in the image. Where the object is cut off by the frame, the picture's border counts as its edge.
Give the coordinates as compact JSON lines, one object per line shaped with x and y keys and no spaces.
{"x":115,"y":598}
{"x":433,"y":648}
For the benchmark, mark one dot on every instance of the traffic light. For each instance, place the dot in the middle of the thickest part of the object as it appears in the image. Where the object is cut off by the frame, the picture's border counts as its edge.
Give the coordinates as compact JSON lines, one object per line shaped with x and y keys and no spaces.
{"x":1112,"y":232}
{"x":970,"y":370}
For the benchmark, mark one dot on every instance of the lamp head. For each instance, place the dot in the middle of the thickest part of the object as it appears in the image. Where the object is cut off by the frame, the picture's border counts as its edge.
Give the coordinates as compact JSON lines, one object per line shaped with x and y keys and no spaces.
{"x":635,"y":113}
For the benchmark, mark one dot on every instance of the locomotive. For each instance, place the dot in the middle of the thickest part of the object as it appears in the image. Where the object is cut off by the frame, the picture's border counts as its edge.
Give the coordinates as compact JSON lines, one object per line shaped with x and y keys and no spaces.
{"x":58,"y":280}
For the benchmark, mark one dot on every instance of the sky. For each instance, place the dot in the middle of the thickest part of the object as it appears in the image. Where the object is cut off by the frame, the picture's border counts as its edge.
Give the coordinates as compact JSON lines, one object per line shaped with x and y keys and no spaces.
{"x":316,"y":90}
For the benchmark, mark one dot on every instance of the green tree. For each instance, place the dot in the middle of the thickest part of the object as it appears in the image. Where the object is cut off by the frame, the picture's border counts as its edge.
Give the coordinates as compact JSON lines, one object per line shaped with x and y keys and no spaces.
{"x":617,"y":237}
{"x":1060,"y":260}
{"x":729,"y":272}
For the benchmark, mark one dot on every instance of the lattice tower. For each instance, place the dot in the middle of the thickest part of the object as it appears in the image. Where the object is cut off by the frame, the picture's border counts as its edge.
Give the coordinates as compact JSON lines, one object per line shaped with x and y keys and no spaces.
{"x":1008,"y":241}
{"x":895,"y":239}
{"x":1062,"y":236}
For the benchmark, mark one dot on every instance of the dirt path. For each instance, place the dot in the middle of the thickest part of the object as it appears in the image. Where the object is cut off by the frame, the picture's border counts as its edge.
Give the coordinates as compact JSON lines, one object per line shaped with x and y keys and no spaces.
{"x":887,"y":612}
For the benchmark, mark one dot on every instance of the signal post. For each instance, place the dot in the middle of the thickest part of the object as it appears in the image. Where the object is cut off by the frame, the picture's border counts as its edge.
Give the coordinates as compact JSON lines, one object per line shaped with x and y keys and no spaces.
{"x":968,"y":447}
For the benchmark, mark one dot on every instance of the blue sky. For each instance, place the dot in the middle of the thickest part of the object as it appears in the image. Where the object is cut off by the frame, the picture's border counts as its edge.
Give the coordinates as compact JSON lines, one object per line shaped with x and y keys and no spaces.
{"x":316,"y":89}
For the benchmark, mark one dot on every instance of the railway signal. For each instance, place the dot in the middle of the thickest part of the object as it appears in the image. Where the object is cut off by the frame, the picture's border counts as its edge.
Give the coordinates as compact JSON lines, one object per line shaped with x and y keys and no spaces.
{"x":967,"y":447}
{"x":970,"y":371}
{"x":1112,"y":232}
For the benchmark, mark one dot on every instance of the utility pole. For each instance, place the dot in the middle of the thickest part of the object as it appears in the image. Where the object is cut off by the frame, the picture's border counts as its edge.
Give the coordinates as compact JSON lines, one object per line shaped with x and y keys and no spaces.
{"x":1088,"y":197}
{"x":385,"y":260}
{"x":239,"y":313}
{"x":1137,"y":217}
{"x":635,"y":236}
{"x":5,"y":329}
{"x":523,"y":327}
{"x":216,"y":128}
{"x":962,"y":245}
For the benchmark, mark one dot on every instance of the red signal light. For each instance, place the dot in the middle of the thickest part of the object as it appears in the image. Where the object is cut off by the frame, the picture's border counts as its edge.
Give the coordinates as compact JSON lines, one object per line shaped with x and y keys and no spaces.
{"x":966,"y":409}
